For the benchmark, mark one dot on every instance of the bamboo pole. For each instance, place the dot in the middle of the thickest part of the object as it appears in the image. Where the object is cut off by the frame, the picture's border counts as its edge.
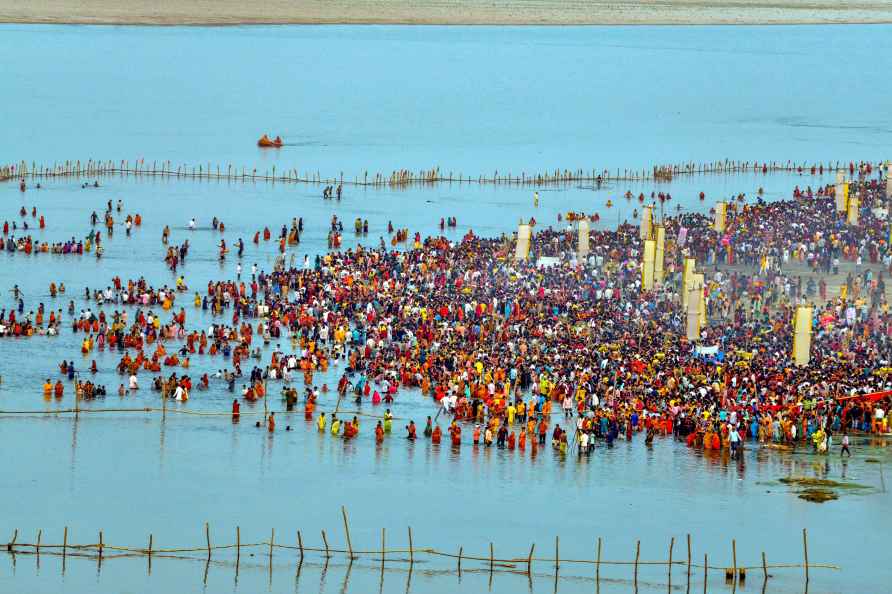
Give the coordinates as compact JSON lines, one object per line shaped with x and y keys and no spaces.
{"x":150,"y":546}
{"x":637,"y":557}
{"x":238,"y":545}
{"x":689,"y":556}
{"x":764,"y":567}
{"x":460,"y":550}
{"x":705,"y":569}
{"x":39,"y":534}
{"x":411,"y":553}
{"x":557,"y":553}
{"x":100,"y":545}
{"x":347,"y":533}
{"x":805,"y":551}
{"x":671,"y":546}
{"x":64,"y":542}
{"x":300,"y":545}
{"x":598,"y":562}
{"x":490,"y":558}
{"x":11,"y":544}
{"x":734,"y":556}
{"x":325,"y":540}
{"x":207,"y":534}
{"x":530,"y":559}
{"x":272,"y":538}
{"x":383,"y":549}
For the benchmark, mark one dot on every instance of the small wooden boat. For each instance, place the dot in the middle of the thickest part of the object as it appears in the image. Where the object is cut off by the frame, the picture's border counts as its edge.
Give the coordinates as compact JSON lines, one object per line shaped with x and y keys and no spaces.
{"x":265,"y":142}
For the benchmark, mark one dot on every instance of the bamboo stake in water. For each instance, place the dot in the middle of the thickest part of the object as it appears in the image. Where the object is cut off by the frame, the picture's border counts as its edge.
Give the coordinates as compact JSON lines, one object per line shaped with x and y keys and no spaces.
{"x":764,"y":567}
{"x":272,"y":538}
{"x":705,"y":570}
{"x":805,"y":551}
{"x":238,"y":545}
{"x":411,"y":553}
{"x":325,"y":540}
{"x":207,"y":534}
{"x":557,"y":553}
{"x":734,"y":557}
{"x":598,"y":562}
{"x":347,"y":532}
{"x":689,"y":555}
{"x":64,"y":542}
{"x":300,"y":545}
{"x":671,"y":546}
{"x":460,"y":551}
{"x":637,"y":556}
{"x":530,"y":559}
{"x":490,"y":558}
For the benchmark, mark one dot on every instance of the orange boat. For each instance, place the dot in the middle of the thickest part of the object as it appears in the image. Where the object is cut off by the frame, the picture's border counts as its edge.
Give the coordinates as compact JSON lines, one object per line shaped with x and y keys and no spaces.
{"x":265,"y":142}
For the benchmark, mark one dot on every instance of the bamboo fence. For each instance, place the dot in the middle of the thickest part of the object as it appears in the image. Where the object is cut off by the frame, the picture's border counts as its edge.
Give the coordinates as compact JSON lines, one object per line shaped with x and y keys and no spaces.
{"x":407,"y":556}
{"x":397,"y":178}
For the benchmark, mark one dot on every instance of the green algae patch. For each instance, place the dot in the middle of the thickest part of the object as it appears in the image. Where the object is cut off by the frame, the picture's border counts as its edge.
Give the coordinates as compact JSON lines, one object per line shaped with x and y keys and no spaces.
{"x":872,"y":461}
{"x":819,"y":490}
{"x":820,"y":483}
{"x":818,"y":495}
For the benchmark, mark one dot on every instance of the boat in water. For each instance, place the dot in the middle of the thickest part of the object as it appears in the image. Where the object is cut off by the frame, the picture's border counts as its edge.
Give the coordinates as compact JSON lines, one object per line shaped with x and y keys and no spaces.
{"x":265,"y":142}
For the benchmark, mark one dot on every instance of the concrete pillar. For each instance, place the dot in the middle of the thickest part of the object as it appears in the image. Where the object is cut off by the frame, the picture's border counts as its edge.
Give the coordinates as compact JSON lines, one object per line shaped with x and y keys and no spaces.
{"x":524,"y":232}
{"x":647,"y":265}
{"x":802,"y":335}
{"x":582,"y":245}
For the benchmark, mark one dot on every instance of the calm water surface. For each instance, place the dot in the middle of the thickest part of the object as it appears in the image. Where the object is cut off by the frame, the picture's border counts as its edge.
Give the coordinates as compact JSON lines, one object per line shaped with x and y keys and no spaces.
{"x":470,"y":99}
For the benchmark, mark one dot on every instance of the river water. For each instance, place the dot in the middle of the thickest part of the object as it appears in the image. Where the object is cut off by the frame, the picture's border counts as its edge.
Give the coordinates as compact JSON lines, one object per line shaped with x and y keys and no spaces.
{"x":351,"y":99}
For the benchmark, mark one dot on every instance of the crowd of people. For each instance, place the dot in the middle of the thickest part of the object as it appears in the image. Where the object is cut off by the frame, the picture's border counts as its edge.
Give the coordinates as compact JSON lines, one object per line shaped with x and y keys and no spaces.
{"x":505,"y":347}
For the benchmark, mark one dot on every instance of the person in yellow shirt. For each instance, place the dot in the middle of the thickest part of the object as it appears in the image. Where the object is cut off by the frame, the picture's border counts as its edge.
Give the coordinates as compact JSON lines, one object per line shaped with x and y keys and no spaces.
{"x":511,"y":410}
{"x":320,"y":423}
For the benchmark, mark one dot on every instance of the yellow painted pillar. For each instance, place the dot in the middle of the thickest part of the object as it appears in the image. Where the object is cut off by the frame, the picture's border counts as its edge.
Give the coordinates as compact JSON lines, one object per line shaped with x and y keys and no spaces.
{"x":582,"y":246}
{"x":647,"y":265}
{"x":524,"y":232}
{"x":852,"y":205}
{"x":698,"y":282}
{"x":802,"y":335}
{"x":647,"y":222}
{"x":719,"y":222}
{"x":660,"y":238}
{"x":693,"y":313}
{"x":686,"y":273}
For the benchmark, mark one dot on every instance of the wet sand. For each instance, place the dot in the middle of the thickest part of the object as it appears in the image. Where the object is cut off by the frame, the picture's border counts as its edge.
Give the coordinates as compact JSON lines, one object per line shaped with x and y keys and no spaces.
{"x":446,"y":12}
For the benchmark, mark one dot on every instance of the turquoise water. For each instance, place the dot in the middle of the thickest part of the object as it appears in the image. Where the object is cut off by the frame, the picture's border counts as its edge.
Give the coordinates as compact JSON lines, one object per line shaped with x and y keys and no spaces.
{"x":472,"y":99}
{"x":356,"y":98}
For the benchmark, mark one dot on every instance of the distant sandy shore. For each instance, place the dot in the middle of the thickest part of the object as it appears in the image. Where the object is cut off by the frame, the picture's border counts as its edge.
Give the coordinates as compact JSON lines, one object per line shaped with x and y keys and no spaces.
{"x":444,"y":12}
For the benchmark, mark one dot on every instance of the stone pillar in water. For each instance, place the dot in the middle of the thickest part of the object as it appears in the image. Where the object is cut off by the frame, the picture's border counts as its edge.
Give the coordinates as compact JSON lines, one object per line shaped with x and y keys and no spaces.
{"x":647,"y":222}
{"x":719,"y":222}
{"x":852,"y":205}
{"x":647,"y":265}
{"x":582,"y":246}
{"x":523,"y":242}
{"x":686,"y":273}
{"x":802,"y":335}
{"x":659,"y":256}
